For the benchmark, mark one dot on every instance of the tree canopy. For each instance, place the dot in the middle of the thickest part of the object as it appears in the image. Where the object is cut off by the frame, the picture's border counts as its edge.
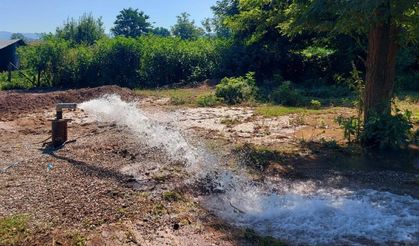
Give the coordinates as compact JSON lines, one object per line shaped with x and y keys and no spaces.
{"x":86,"y":30}
{"x":161,"y":31}
{"x":186,"y":28}
{"x":18,"y":36}
{"x":131,"y":23}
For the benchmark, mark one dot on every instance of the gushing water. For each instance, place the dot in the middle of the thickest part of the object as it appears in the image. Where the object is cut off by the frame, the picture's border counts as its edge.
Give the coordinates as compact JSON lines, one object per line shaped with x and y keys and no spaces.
{"x":298,"y":212}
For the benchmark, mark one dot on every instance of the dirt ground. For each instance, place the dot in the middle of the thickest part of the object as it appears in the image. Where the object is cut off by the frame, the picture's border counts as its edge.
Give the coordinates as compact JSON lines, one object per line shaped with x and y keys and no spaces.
{"x":109,"y":188}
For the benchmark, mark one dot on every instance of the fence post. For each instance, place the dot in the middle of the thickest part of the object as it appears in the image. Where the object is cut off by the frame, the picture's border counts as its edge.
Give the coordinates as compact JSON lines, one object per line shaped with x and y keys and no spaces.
{"x":9,"y":72}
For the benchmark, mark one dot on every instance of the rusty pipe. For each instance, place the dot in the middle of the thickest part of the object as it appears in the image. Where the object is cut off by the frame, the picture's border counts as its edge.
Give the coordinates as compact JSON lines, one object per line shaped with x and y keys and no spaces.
{"x":60,"y":106}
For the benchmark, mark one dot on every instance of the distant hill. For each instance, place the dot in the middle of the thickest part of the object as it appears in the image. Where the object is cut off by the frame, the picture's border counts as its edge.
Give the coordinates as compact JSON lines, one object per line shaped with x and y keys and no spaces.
{"x":31,"y":36}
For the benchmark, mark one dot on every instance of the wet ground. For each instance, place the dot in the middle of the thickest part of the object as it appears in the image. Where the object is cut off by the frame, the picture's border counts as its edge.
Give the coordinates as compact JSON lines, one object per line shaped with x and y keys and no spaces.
{"x":110,"y":188}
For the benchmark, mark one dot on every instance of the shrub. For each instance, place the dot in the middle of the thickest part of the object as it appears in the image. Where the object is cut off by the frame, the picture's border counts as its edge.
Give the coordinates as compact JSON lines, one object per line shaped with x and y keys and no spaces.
{"x":45,"y":60}
{"x":315,"y":104}
{"x":237,"y":89}
{"x":350,"y":126}
{"x":330,"y":91}
{"x":147,"y":61}
{"x":117,"y":61}
{"x":388,"y":131}
{"x":176,"y":100}
{"x":287,"y":95}
{"x":207,"y":101}
{"x":168,"y":60}
{"x":18,"y":81}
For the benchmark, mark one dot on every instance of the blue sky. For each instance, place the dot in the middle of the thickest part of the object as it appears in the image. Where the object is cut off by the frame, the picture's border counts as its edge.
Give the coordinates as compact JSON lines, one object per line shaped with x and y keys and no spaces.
{"x":46,"y":15}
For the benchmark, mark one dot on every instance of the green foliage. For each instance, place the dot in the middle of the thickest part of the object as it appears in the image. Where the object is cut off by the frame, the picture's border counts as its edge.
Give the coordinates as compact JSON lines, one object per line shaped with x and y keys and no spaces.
{"x":407,"y":77}
{"x":338,"y":16}
{"x":350,"y":126}
{"x":77,"y":239}
{"x":287,"y":95}
{"x":186,"y":28}
{"x":172,"y":60}
{"x":13,"y":229}
{"x":18,"y":81}
{"x":175,"y":100}
{"x":148,"y":61}
{"x":86,"y":30}
{"x":131,"y":23}
{"x":315,"y":51}
{"x":315,"y":104}
{"x":172,"y":196}
{"x":388,"y":131}
{"x":19,"y":36}
{"x":117,"y":61}
{"x":207,"y":100}
{"x":44,"y":60}
{"x":161,"y":31}
{"x":236,"y":90}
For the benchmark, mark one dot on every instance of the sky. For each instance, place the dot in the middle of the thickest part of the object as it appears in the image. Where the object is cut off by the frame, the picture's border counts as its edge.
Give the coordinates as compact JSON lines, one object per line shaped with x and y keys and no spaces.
{"x":45,"y":15}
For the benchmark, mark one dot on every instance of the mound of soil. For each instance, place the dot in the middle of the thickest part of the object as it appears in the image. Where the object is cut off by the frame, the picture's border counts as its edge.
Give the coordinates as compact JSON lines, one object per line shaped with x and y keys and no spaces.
{"x":20,"y":102}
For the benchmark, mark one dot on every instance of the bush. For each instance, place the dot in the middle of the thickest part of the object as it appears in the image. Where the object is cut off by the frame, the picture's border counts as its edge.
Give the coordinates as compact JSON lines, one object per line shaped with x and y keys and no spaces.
{"x":350,"y":126}
{"x":18,"y":81}
{"x":236,"y":90}
{"x":176,"y":100}
{"x":389,"y":131}
{"x":315,"y":104}
{"x":117,"y":61}
{"x":172,"y":60}
{"x":331,"y":91}
{"x":148,"y":61}
{"x":207,"y":101}
{"x":45,"y":60}
{"x":287,"y":95}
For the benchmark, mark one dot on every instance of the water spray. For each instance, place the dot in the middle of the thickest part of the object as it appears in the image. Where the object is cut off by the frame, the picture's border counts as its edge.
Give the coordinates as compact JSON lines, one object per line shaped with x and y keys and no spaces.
{"x":299,"y":212}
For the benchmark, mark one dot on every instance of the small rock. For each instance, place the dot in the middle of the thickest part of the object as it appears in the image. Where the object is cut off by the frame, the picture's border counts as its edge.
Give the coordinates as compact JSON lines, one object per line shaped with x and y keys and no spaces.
{"x":176,"y":226}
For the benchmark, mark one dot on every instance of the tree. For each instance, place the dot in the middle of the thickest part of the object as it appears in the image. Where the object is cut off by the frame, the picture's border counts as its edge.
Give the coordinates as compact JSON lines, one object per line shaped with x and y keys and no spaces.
{"x":45,"y":58}
{"x":223,"y":9}
{"x":186,"y":28}
{"x":86,"y":30}
{"x":385,"y":24}
{"x":18,"y":36}
{"x":161,"y":31}
{"x":131,"y":23}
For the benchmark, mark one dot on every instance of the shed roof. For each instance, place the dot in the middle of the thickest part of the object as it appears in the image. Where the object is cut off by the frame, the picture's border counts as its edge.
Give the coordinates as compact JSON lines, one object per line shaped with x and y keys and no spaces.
{"x":6,"y":43}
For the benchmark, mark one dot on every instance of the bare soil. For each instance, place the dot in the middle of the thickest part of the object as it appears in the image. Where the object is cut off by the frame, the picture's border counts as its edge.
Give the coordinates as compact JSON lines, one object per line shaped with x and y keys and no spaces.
{"x":16,"y":103}
{"x":109,"y":188}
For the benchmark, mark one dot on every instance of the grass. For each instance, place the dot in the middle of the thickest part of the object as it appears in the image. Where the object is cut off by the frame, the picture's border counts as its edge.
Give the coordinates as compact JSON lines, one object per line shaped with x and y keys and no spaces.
{"x":182,"y":96}
{"x":77,"y":239}
{"x":171,"y":196}
{"x":277,"y":110}
{"x":13,"y":229}
{"x":409,"y":101}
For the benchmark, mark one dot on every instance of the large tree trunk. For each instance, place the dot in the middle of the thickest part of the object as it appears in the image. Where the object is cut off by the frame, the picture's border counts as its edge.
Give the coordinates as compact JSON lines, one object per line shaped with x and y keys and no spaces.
{"x":381,"y":68}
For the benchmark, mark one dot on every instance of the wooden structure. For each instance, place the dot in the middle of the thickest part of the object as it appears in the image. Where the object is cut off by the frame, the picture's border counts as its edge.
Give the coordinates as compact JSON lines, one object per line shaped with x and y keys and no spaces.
{"x":8,"y":54}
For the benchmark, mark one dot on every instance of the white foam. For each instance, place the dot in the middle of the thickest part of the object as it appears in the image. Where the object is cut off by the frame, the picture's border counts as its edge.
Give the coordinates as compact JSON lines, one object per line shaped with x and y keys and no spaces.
{"x":298,"y":212}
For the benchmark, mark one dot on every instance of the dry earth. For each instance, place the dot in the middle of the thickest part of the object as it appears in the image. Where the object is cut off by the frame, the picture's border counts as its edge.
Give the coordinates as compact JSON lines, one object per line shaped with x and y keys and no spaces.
{"x":109,"y":188}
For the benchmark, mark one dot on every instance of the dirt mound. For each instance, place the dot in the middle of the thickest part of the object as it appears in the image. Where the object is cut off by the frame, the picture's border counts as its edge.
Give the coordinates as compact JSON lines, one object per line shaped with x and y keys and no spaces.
{"x":19,"y":102}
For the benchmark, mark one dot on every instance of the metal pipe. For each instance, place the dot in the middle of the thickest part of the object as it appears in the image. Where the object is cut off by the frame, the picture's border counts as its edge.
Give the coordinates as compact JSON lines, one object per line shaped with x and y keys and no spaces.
{"x":59,"y":125}
{"x":60,"y":106}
